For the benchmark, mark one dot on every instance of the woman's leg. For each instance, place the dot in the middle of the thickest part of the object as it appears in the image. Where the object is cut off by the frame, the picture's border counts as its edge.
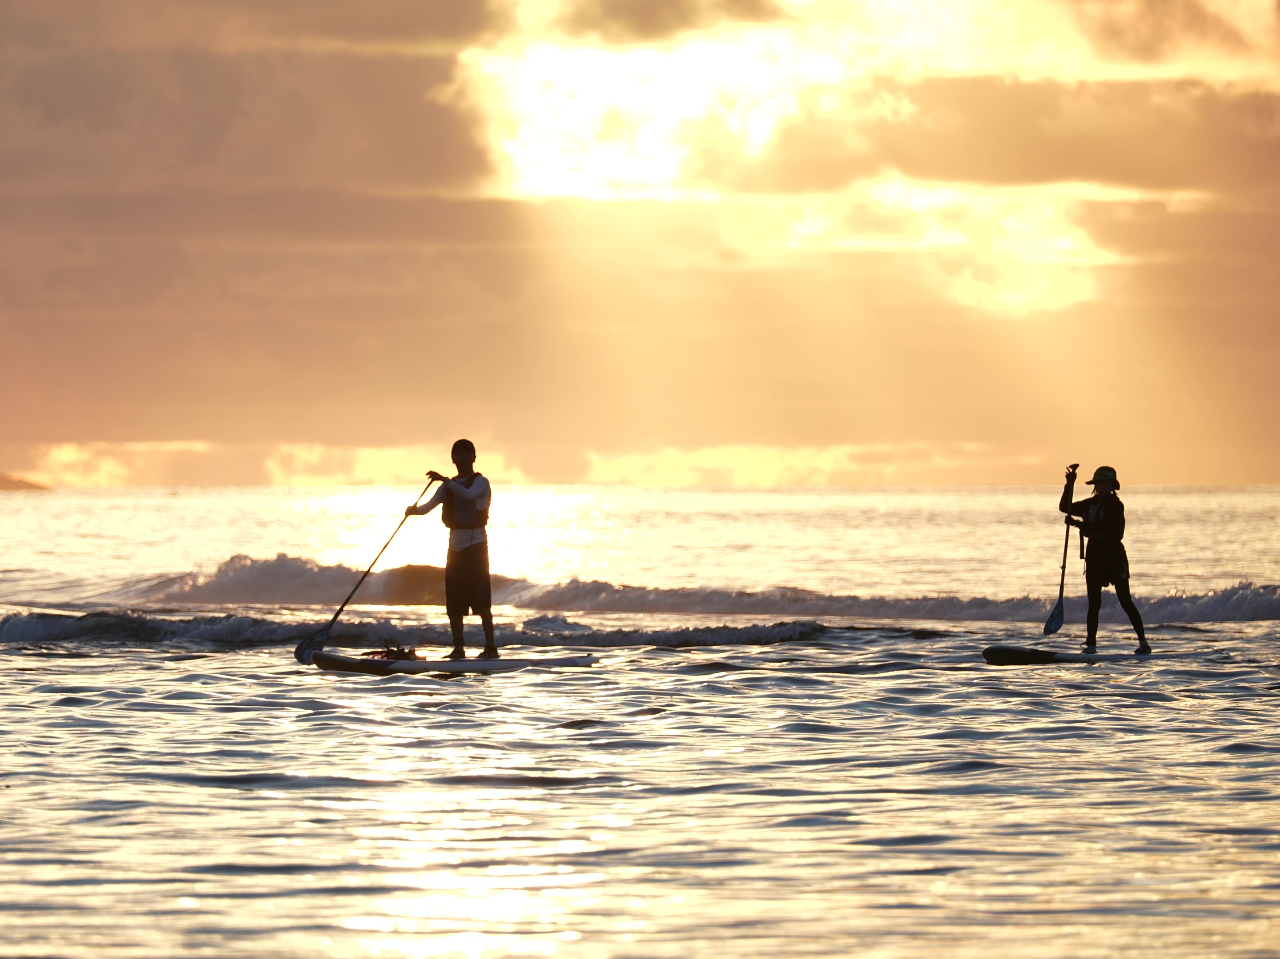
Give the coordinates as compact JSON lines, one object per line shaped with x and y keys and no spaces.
{"x":1095,"y":604}
{"x":1126,"y":602}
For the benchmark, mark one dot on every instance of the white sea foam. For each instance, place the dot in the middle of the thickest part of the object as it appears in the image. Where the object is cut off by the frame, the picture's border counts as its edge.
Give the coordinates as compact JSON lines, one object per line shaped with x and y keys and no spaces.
{"x":295,"y":581}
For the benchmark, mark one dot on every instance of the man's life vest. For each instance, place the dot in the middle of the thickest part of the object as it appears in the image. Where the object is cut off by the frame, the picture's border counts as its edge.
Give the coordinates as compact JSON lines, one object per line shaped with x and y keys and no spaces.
{"x":459,"y":513}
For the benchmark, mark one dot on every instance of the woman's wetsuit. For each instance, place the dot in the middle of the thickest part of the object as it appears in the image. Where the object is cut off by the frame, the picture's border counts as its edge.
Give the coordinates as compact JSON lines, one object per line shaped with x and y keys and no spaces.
{"x":1105,"y":560}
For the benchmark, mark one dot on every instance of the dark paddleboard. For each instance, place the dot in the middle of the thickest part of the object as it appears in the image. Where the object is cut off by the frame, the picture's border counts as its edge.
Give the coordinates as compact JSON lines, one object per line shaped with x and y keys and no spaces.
{"x":391,"y":667}
{"x":1031,"y":656}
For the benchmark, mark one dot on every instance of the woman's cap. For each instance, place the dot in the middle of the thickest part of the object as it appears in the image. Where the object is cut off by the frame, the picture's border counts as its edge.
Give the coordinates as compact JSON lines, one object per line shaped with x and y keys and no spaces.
{"x":1105,"y":474}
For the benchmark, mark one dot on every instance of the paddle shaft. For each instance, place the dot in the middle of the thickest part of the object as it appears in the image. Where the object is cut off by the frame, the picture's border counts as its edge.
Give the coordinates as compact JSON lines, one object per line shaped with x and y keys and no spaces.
{"x":329,"y":625}
{"x":1066,"y":544}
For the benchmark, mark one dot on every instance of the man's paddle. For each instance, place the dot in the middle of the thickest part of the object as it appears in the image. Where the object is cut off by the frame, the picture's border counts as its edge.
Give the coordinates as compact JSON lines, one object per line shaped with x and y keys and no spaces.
{"x":305,"y":649}
{"x":1059,"y":612}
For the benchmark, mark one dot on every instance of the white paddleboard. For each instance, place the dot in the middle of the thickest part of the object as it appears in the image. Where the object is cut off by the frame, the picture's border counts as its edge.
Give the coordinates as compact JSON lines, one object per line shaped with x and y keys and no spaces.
{"x":391,"y":667}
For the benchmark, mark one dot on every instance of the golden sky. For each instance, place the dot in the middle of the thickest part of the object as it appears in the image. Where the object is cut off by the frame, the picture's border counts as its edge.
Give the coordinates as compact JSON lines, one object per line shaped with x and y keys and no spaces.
{"x":677,"y":242}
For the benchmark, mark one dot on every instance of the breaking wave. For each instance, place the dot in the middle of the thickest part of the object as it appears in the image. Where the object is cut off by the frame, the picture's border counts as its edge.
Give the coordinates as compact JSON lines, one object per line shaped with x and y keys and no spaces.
{"x":1244,"y":602}
{"x":294,"y":581}
{"x":83,"y":634}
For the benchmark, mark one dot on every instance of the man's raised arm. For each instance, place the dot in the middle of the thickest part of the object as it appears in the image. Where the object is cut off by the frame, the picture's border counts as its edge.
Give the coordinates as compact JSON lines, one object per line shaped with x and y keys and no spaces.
{"x":473,"y":492}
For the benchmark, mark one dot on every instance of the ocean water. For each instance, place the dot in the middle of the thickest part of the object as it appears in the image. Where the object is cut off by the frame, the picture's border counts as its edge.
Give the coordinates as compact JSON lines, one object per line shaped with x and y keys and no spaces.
{"x":790,"y":745}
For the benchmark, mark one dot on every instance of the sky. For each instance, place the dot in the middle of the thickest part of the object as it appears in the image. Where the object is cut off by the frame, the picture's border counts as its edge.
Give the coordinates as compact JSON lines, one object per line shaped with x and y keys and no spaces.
{"x":728,"y":243}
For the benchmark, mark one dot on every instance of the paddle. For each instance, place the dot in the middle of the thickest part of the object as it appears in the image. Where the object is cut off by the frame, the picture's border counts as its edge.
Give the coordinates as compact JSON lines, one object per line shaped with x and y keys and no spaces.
{"x":305,"y":649}
{"x":1059,"y":612}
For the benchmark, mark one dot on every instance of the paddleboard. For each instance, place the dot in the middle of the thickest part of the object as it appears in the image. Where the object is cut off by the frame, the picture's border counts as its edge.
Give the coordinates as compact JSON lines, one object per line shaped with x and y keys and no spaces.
{"x":1031,"y":656}
{"x":391,"y":667}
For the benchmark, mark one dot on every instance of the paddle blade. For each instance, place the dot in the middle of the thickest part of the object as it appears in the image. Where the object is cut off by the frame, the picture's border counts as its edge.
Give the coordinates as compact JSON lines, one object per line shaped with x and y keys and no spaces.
{"x":1056,"y":616}
{"x":308,"y":647}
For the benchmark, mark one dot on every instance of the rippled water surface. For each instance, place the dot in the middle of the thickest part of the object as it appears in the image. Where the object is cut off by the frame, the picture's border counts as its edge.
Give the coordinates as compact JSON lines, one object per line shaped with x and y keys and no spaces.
{"x":826,"y":769}
{"x":862,"y":792}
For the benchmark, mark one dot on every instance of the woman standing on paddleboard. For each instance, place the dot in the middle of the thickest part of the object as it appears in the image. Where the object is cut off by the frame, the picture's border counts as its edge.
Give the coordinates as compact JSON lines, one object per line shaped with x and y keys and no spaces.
{"x":1101,"y":521}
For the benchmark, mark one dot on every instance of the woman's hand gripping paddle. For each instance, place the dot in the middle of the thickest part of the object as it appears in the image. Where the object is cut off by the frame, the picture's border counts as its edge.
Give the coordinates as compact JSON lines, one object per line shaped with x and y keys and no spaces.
{"x":1059,"y":612}
{"x":307,"y":648}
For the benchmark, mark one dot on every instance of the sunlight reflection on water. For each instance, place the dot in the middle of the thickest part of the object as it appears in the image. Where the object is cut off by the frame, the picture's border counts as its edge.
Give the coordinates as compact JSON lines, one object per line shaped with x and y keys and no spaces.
{"x":869,"y":789}
{"x":730,"y":801}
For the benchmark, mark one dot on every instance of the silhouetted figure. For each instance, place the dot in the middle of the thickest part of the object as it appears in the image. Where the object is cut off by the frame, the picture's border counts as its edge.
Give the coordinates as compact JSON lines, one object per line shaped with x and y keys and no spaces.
{"x":1101,"y":521}
{"x":465,"y":499}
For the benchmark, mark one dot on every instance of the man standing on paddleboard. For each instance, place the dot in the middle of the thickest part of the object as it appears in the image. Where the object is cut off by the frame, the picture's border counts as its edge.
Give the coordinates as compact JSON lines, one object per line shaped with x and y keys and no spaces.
{"x":465,"y":500}
{"x":1101,"y":521}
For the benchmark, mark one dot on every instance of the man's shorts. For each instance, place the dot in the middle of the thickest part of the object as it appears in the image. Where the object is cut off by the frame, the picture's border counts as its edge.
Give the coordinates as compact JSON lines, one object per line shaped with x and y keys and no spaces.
{"x":466,"y":581}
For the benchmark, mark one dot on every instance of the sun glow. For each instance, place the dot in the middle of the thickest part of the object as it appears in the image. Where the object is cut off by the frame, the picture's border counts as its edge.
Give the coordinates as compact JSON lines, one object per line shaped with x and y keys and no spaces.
{"x":571,"y":118}
{"x":768,"y":123}
{"x":609,"y":124}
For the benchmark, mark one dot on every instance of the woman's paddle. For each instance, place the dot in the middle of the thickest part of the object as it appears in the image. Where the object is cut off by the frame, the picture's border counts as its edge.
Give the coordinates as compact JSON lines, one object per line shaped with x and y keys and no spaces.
{"x":305,"y":649}
{"x":1059,"y":612}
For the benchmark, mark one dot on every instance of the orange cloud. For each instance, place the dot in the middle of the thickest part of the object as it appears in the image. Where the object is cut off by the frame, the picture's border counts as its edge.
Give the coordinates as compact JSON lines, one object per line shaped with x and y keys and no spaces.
{"x":194,"y":463}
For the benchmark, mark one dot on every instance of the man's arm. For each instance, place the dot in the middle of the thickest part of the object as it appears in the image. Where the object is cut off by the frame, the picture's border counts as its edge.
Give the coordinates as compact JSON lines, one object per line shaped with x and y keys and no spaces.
{"x":477,"y":489}
{"x":428,"y":506}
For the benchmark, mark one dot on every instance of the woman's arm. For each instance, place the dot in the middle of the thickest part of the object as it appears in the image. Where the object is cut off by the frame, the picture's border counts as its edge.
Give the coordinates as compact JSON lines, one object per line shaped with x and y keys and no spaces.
{"x":1064,"y":504}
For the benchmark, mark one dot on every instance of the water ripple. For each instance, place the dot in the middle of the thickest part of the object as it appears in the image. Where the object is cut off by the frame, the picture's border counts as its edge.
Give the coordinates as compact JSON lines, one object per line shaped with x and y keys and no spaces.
{"x":880,"y":790}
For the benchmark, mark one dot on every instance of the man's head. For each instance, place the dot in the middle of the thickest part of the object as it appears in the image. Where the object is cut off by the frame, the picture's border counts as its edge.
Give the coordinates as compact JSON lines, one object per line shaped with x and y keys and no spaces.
{"x":463,"y":453}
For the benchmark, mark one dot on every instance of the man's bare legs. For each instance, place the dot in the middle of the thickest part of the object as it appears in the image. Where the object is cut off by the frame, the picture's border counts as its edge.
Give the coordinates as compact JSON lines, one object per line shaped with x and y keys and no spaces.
{"x":490,"y":650}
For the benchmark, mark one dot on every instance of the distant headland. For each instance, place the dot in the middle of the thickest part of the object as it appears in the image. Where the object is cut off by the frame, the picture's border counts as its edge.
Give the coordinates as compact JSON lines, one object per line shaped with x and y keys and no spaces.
{"x":8,"y":482}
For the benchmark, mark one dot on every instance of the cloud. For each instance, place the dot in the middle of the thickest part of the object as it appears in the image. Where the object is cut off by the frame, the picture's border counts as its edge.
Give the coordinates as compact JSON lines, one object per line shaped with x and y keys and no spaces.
{"x":1210,"y":233}
{"x":698,"y":123}
{"x":1009,"y":251}
{"x":398,"y":21}
{"x":313,"y":464}
{"x":197,"y":463}
{"x":254,"y":216}
{"x":630,"y":21}
{"x":744,"y":466}
{"x":1149,"y":135}
{"x":1154,"y":30}
{"x":81,"y":118}
{"x":235,"y":24}
{"x":139,"y":464}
